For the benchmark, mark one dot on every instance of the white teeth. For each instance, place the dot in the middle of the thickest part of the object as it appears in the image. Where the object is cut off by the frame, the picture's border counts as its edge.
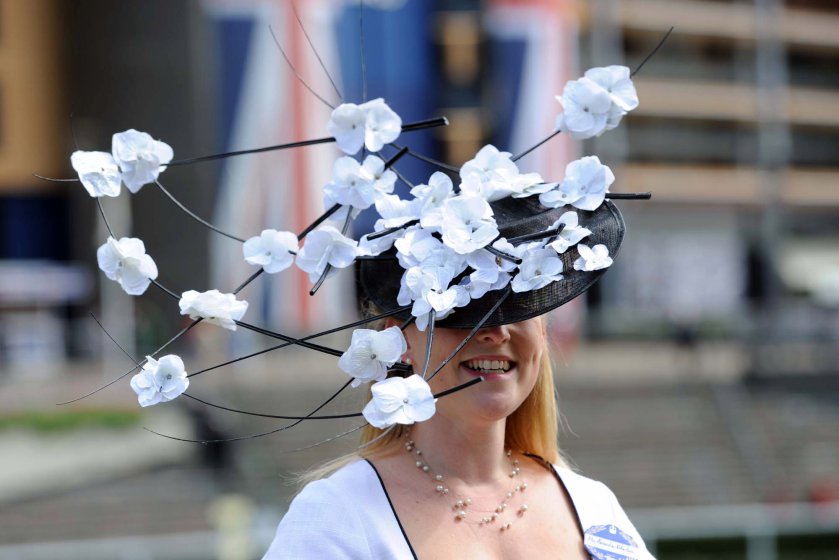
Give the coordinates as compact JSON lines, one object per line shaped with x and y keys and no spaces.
{"x":488,"y":365}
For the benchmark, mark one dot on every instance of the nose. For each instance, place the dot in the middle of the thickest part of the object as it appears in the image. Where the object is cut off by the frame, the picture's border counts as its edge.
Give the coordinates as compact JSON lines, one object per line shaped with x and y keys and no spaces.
{"x":494,"y":335}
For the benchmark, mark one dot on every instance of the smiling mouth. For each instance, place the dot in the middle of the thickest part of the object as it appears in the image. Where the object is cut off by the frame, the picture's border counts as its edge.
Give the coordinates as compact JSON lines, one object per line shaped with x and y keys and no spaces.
{"x":488,"y":367}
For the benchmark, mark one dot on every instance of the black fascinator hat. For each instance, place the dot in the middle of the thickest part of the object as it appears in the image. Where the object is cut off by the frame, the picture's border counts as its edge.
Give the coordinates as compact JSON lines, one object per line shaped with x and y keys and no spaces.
{"x":518,"y":219}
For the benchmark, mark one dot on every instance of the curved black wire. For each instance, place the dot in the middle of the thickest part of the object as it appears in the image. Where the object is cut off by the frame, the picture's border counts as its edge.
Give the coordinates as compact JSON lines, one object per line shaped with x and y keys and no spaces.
{"x":454,"y":389}
{"x":474,"y":330}
{"x":314,"y":50}
{"x":309,"y":337}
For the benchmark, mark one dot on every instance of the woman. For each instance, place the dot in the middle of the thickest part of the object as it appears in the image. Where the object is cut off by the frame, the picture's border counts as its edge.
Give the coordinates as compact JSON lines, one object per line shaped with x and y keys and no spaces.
{"x":482,"y":478}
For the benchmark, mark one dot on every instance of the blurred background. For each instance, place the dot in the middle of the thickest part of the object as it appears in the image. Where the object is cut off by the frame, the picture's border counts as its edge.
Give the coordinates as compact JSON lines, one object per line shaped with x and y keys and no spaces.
{"x":699,"y":379}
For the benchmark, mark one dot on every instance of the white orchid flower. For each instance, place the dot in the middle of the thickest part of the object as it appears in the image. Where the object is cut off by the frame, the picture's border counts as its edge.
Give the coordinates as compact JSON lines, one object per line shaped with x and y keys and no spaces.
{"x":141,"y":158}
{"x":395,"y":211}
{"x":418,"y":246}
{"x":429,"y":288}
{"x":359,"y":185}
{"x":98,"y":172}
{"x":430,"y":198}
{"x":160,"y":380}
{"x":367,"y":247}
{"x":534,"y":188}
{"x":417,"y":281}
{"x":617,"y":81}
{"x":126,"y":262}
{"x":487,"y":161}
{"x":493,"y":175}
{"x":586,"y":110}
{"x":214,"y":307}
{"x":441,"y":301}
{"x":372,"y":124}
{"x":400,"y":400}
{"x":467,"y":224}
{"x":487,"y":274}
{"x":517,"y":251}
{"x":570,"y":235}
{"x":586,"y":105}
{"x":325,"y":246}
{"x":272,"y":250}
{"x":473,"y":287}
{"x":347,"y":125}
{"x":585,"y":185}
{"x":371,"y":353}
{"x":592,"y":258}
{"x":382,"y":125}
{"x":538,"y":269}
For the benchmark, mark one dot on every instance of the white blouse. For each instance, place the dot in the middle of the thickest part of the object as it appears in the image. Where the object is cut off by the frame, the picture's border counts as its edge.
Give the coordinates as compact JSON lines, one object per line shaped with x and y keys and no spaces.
{"x":350,"y":516}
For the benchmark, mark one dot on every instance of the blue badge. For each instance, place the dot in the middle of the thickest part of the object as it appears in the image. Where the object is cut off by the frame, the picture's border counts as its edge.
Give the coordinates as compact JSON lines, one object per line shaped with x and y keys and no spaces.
{"x":607,"y":542}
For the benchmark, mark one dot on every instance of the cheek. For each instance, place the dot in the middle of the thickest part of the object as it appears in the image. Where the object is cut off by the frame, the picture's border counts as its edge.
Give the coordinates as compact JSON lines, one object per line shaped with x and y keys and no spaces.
{"x":533,"y":364}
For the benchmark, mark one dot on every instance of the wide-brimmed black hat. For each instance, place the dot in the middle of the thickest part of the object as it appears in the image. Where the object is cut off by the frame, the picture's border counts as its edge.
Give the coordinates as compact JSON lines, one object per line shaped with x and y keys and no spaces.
{"x":379,"y":280}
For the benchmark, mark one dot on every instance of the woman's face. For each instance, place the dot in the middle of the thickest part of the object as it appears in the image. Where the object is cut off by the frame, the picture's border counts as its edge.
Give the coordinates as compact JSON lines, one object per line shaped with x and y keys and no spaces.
{"x":508,"y":357}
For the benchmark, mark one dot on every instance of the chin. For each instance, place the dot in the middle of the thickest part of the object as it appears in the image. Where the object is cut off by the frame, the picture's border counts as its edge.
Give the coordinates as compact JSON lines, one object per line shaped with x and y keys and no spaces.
{"x":490,"y":401}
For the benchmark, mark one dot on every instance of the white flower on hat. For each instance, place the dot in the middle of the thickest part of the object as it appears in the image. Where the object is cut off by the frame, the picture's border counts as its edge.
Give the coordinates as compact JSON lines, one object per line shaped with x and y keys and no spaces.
{"x":160,"y":380}
{"x":419,"y":247}
{"x":586,"y":105}
{"x":617,"y":82}
{"x":418,"y":280}
{"x":325,"y":246}
{"x":493,"y":175}
{"x":487,"y":274}
{"x":272,"y":250}
{"x":585,"y":185}
{"x":487,"y":161}
{"x":394,"y":211}
{"x":570,"y":235}
{"x":141,"y":158}
{"x":126,"y":262}
{"x":400,"y":400}
{"x":372,"y":247}
{"x":467,"y":223}
{"x":372,"y":124}
{"x":533,"y":187}
{"x":382,"y":126}
{"x":347,"y":126}
{"x":517,"y":251}
{"x":359,"y":185}
{"x":98,"y":172}
{"x":430,"y":198}
{"x":592,"y":258}
{"x":596,"y":102}
{"x":371,"y":353}
{"x":429,"y":288}
{"x":538,"y":269}
{"x":214,"y":307}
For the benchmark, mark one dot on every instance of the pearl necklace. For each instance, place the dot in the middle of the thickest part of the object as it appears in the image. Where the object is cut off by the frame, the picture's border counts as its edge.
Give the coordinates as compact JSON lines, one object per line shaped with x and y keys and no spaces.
{"x":460,"y":506}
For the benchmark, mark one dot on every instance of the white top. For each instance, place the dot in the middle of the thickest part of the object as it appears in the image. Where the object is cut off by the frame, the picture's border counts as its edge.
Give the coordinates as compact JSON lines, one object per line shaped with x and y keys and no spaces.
{"x":349,"y":516}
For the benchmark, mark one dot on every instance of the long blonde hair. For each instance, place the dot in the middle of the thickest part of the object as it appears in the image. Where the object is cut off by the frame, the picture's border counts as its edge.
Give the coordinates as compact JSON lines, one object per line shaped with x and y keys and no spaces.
{"x":531,"y":428}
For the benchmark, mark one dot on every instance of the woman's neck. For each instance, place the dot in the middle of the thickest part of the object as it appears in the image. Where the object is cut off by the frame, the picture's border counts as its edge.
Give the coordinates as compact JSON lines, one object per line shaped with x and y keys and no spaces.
{"x":473,"y":453}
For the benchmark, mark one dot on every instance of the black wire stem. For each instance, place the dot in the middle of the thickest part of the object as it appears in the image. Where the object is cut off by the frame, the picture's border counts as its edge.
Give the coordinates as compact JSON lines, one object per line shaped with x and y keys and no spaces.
{"x":474,"y":330}
{"x":410,"y":127}
{"x":324,"y":416}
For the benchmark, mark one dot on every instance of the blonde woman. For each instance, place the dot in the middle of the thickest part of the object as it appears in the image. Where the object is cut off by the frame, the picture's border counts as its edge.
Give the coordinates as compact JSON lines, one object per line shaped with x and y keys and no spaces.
{"x":482,"y":477}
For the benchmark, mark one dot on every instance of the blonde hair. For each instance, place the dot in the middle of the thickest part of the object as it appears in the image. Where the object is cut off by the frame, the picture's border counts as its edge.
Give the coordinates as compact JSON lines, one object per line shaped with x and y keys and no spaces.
{"x":531,"y":428}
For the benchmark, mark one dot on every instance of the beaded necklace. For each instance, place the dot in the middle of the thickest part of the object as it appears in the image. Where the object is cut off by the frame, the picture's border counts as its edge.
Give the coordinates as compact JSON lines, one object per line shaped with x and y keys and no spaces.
{"x":461,"y":506}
